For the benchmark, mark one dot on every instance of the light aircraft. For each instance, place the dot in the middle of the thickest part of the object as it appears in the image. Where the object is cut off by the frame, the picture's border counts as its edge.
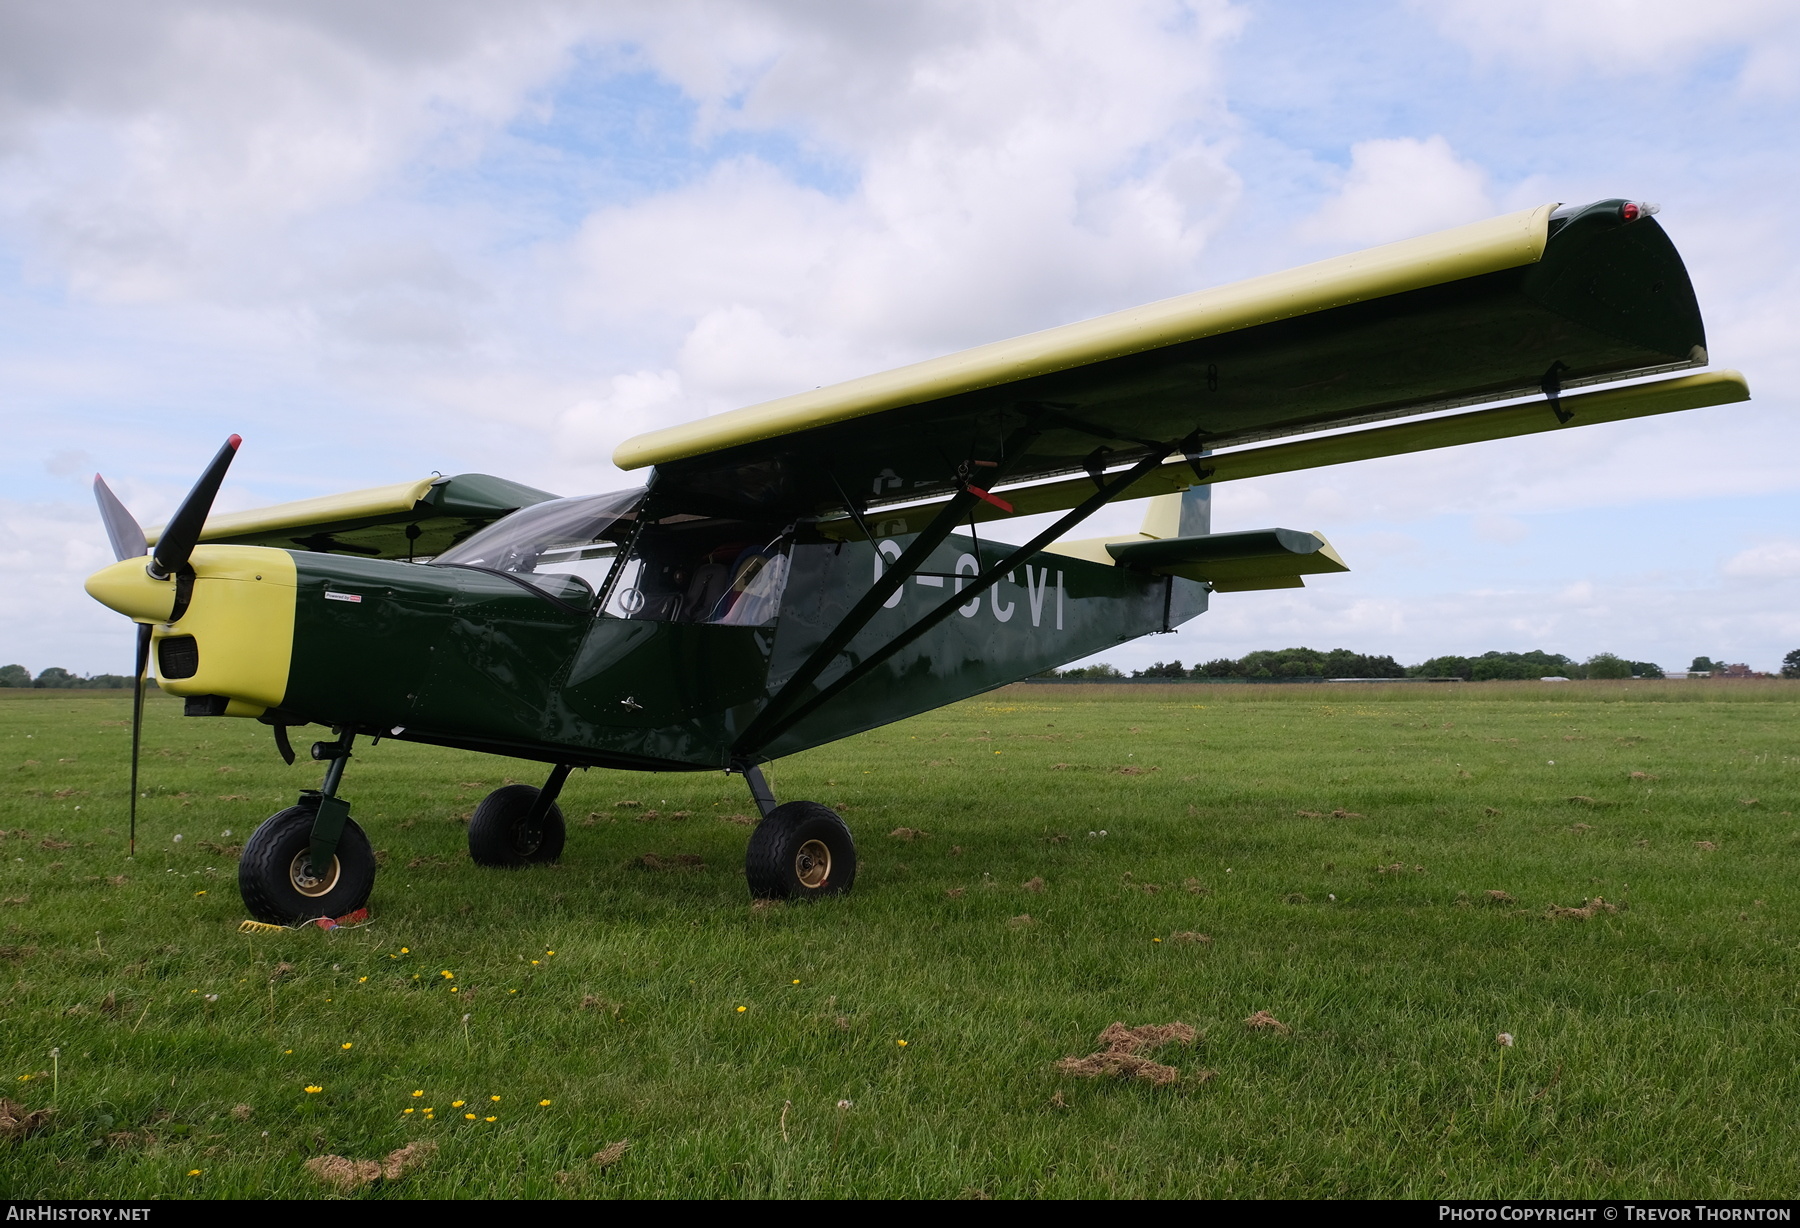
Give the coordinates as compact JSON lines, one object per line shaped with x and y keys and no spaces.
{"x":802,"y":570}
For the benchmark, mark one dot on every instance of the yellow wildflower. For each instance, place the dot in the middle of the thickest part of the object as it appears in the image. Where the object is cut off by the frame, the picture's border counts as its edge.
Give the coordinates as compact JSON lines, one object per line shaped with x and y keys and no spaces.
{"x":456,"y":1104}
{"x":419,"y":1093}
{"x":901,"y":1043}
{"x":194,"y":1172}
{"x":492,"y":1119}
{"x":348,"y":1043}
{"x":742,"y":1009}
{"x":313,"y":1089}
{"x":543,"y":1104}
{"x":493,"y":1097}
{"x":468,"y":1117}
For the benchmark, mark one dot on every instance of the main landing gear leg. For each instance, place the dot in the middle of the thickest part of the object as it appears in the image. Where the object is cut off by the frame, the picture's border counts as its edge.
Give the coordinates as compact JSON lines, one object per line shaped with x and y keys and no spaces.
{"x":517,"y":825}
{"x":800,"y":850}
{"x":310,"y":860}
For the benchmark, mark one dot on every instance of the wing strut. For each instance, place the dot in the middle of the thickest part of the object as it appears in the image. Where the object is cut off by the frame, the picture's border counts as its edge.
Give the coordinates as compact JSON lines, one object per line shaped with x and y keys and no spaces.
{"x":771,"y":721}
{"x":782,"y":715}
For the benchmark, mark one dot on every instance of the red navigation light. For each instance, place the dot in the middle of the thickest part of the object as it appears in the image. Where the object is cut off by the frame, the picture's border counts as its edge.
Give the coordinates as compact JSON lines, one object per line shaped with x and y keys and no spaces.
{"x":1631,"y":211}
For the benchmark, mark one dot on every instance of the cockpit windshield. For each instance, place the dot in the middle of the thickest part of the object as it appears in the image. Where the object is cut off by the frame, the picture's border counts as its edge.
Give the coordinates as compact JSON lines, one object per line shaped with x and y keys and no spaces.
{"x":567,"y":547}
{"x":681,"y":567}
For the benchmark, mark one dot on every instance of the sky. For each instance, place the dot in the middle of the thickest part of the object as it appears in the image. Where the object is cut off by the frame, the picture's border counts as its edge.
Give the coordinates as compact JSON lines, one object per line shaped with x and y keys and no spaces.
{"x":384,"y":240}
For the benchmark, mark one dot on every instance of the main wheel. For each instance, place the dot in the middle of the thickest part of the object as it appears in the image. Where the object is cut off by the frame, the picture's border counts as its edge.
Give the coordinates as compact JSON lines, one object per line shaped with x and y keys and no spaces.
{"x":801,"y":851}
{"x":500,"y":835}
{"x":273,"y":878}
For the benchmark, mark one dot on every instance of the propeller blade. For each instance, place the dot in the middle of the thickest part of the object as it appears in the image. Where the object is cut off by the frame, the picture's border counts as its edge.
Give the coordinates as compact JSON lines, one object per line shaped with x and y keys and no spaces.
{"x":122,"y":528}
{"x":137,"y":721}
{"x":182,"y":533}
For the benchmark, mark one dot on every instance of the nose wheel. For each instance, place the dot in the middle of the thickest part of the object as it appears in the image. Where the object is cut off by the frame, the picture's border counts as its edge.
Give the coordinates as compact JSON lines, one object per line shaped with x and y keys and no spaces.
{"x":281,"y":885}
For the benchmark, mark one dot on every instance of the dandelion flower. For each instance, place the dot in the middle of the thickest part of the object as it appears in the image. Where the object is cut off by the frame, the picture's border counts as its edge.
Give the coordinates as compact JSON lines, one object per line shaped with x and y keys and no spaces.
{"x":418,"y":1093}
{"x":1504,"y":1040}
{"x":361,"y":979}
{"x":312,"y":1089}
{"x":347,"y":1044}
{"x":490,"y":1119}
{"x":1156,"y":940}
{"x":543,"y":1104}
{"x":287,"y":1050}
{"x":512,"y":991}
{"x":468,"y":1117}
{"x":549,"y":952}
{"x":193,"y":1172}
{"x":534,"y":963}
{"x":901,"y":1043}
{"x":447,"y":975}
{"x":742,"y":1009}
{"x":796,"y":980}
{"x":456,"y":1104}
{"x":406,"y":950}
{"x":455,"y":988}
{"x":403,"y":1112}
{"x":493,"y":1097}
{"x":199,"y":893}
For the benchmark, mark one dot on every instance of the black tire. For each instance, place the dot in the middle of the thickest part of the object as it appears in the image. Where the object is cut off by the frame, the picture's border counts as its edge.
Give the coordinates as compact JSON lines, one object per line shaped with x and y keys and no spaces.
{"x":271,"y":873}
{"x":801,"y":851}
{"x":498,"y":835}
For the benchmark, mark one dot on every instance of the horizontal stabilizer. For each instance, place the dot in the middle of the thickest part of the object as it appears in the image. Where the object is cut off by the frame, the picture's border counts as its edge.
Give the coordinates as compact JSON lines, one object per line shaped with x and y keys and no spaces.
{"x":1230,"y":562}
{"x":406,"y":520}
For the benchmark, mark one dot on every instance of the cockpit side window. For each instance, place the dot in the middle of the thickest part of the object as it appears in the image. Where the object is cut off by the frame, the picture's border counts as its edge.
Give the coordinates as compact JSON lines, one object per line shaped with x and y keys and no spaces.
{"x":565,"y":547}
{"x":700,"y":569}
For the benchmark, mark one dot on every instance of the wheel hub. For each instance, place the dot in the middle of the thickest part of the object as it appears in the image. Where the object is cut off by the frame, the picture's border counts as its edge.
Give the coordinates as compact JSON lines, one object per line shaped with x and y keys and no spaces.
{"x":306,"y":883}
{"x":812,"y":864}
{"x":526,"y":838}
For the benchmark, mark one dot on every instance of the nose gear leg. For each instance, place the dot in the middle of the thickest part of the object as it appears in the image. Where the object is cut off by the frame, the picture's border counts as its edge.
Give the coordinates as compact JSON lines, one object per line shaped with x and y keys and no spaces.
{"x":330,"y":812}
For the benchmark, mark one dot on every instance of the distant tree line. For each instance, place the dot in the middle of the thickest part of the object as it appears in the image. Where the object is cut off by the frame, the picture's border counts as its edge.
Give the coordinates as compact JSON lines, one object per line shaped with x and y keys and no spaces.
{"x":58,"y":678}
{"x":1342,"y":663}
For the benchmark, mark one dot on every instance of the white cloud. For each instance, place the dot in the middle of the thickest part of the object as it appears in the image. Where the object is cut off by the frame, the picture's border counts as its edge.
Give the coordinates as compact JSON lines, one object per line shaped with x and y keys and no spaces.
{"x":1397,"y":188}
{"x":1770,"y":561}
{"x":1621,"y":36}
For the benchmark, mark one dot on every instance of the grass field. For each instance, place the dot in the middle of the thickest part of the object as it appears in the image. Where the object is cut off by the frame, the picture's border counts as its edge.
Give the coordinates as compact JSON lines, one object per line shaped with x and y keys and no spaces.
{"x":757,"y":1052}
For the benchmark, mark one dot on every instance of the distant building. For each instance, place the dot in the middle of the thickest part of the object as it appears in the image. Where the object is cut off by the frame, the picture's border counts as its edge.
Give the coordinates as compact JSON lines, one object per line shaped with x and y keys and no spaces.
{"x":1738,"y":671}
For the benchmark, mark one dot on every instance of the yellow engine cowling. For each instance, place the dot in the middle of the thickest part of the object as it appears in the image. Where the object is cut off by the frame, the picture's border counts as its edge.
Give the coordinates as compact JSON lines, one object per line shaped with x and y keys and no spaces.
{"x":235,"y":638}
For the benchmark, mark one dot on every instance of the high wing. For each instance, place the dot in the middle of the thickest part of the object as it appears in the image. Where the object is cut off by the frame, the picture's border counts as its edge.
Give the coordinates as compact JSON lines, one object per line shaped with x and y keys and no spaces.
{"x":406,"y":520}
{"x":1534,"y":302}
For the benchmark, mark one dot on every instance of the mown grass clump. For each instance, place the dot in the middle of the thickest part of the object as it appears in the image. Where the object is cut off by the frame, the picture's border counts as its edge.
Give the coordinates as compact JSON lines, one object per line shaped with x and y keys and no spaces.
{"x":1392,"y":875}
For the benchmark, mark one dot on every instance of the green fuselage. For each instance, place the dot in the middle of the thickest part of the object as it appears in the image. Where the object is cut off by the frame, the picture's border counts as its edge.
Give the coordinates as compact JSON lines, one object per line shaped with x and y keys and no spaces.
{"x":462,"y":657}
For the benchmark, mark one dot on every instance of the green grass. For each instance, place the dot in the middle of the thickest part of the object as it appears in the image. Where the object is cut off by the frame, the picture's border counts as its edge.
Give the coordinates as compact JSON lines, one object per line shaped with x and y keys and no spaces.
{"x":1656,"y":1053}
